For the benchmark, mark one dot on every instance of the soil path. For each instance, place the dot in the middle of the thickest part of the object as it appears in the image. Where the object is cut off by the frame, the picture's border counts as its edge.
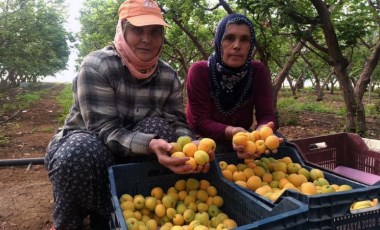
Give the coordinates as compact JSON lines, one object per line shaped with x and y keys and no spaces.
{"x":25,"y":191}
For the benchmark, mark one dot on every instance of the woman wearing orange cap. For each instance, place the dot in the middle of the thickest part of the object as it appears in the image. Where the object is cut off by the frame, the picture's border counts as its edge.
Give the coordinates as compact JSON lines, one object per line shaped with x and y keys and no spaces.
{"x":128,"y":105}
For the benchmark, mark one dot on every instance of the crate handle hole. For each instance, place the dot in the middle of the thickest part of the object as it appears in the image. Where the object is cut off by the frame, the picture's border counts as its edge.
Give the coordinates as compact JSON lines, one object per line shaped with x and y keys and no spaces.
{"x":319,"y":145}
{"x":369,"y":205}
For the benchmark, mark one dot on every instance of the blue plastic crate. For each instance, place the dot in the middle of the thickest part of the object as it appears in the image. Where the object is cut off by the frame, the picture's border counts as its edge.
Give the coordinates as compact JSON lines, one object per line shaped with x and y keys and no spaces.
{"x":247,"y":211}
{"x":326,"y":211}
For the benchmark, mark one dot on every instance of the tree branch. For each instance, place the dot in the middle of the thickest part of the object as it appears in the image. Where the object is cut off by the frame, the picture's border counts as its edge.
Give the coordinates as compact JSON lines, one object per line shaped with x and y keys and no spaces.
{"x":14,"y":115}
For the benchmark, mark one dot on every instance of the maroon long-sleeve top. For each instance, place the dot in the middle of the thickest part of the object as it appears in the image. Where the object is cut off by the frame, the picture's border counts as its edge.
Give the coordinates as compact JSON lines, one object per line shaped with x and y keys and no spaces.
{"x":201,"y":111}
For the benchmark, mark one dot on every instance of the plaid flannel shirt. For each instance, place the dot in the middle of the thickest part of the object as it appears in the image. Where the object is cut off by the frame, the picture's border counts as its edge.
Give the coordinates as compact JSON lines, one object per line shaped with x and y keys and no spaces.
{"x":109,"y":101}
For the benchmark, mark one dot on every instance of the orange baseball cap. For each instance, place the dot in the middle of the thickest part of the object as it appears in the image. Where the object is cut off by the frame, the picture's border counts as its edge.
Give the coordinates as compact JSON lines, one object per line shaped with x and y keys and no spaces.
{"x":141,"y":12}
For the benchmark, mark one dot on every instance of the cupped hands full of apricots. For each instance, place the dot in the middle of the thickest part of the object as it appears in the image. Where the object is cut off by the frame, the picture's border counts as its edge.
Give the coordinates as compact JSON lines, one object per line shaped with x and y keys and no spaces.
{"x":187,"y":204}
{"x":198,"y":153}
{"x":270,"y":177}
{"x":258,"y":141}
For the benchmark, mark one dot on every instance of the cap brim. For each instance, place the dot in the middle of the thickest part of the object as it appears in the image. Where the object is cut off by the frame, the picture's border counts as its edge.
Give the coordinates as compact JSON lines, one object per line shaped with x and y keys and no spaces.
{"x":146,"y":20}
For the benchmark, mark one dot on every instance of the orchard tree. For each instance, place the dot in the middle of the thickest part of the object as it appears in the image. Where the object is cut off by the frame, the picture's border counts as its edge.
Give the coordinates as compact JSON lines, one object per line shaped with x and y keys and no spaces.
{"x":304,"y":39}
{"x":190,"y":36}
{"x":332,"y":31}
{"x":354,"y":29}
{"x":98,"y":20}
{"x":33,"y":41}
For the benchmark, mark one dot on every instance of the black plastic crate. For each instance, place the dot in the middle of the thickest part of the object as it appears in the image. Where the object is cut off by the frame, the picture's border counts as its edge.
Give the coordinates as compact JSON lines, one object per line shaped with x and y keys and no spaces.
{"x":247,"y":211}
{"x":326,"y":211}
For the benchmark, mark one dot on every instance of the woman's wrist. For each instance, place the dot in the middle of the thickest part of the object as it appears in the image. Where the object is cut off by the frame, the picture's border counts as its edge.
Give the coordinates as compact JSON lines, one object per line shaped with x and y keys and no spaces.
{"x":229,"y":132}
{"x":152,"y":145}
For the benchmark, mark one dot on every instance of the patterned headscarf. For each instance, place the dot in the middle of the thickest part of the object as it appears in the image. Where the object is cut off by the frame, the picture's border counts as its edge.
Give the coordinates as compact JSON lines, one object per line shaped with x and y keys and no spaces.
{"x":230,"y":87}
{"x":138,"y":68}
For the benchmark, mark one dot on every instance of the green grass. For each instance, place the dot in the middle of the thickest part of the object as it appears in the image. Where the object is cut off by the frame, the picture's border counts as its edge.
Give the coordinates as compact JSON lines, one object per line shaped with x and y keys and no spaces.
{"x":23,"y":100}
{"x":65,"y":99}
{"x":289,"y":107}
{"x":42,"y":129}
{"x":294,"y":105}
{"x":372,"y":109}
{"x":3,"y":140}
{"x":306,"y":101}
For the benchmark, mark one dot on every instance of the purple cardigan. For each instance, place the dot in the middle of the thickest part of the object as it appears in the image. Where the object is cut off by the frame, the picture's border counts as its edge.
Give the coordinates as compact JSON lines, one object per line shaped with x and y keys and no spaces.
{"x":201,"y":110}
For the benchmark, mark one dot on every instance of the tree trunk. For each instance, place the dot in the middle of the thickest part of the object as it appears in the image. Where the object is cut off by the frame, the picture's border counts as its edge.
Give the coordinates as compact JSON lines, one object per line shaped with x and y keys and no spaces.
{"x":261,"y":51}
{"x":292,"y":88}
{"x":191,"y":36}
{"x":280,"y":77}
{"x":183,"y":61}
{"x":332,"y":83}
{"x":12,"y":78}
{"x":318,"y":88}
{"x":363,"y":83}
{"x":300,"y":81}
{"x":327,"y":80}
{"x":340,"y":64}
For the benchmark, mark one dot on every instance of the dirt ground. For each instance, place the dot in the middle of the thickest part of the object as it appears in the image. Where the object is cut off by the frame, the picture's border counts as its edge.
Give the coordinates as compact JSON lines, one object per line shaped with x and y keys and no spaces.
{"x":26,"y":199}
